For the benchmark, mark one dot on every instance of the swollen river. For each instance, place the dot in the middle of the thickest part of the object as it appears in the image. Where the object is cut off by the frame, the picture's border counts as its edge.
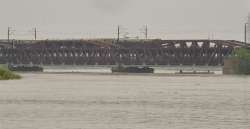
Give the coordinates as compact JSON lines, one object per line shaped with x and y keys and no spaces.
{"x":106,"y":101}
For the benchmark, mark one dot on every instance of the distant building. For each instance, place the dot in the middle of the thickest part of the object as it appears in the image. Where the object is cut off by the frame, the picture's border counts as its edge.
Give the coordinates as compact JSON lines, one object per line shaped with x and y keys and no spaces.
{"x":248,"y":29}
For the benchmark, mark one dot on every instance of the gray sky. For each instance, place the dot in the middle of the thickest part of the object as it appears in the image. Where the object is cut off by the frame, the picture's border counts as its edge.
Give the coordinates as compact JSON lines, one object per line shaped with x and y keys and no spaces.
{"x":172,"y":19}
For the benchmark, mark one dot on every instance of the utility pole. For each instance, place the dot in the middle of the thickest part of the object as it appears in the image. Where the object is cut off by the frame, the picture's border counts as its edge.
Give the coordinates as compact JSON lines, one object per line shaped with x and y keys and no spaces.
{"x":118,"y":34}
{"x":8,"y":34}
{"x":146,"y":32}
{"x":246,"y":24}
{"x":35,"y":33}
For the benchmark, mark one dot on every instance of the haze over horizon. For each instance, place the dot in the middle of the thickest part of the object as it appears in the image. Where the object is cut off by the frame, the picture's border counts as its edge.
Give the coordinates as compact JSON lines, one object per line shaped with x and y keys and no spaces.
{"x":167,"y":19}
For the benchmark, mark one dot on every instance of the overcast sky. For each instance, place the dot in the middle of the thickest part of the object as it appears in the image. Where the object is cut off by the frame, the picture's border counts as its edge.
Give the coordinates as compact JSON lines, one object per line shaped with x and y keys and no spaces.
{"x":172,"y":19}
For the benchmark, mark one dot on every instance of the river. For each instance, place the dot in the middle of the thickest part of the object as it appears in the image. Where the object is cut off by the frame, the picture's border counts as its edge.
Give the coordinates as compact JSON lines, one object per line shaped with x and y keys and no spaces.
{"x":106,"y":101}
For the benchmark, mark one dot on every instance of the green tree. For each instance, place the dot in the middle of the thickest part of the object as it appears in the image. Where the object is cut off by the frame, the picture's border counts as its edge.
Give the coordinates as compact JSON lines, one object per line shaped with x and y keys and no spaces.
{"x":244,"y":55}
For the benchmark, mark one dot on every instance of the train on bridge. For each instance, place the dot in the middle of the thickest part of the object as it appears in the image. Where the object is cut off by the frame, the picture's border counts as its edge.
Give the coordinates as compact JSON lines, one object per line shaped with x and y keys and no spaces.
{"x":110,"y":52}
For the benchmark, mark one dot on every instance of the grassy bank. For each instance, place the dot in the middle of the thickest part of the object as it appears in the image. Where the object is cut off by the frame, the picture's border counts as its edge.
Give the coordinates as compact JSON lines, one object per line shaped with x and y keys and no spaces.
{"x":5,"y":74}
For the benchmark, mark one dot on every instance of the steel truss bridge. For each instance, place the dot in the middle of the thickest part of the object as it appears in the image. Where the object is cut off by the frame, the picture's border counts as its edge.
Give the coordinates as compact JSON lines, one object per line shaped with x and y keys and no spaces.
{"x":111,"y":52}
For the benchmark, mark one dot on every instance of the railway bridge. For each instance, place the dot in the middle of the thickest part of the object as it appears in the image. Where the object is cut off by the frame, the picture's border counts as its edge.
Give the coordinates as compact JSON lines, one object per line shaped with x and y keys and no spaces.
{"x":111,"y":52}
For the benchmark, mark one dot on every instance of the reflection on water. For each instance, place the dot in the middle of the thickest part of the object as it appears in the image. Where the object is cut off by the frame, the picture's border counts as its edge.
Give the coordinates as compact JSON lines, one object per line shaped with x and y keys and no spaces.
{"x":82,"y":101}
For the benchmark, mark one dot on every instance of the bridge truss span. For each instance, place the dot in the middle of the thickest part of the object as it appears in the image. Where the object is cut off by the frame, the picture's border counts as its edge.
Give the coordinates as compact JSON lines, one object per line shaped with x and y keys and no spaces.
{"x":127,"y":52}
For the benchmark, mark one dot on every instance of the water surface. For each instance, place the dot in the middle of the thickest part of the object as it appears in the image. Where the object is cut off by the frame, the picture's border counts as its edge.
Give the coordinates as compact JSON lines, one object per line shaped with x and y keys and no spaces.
{"x":99,"y":101}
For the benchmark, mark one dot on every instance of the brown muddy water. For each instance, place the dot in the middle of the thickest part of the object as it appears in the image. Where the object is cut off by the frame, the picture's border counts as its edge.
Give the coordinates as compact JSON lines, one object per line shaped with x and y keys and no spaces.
{"x":98,"y":101}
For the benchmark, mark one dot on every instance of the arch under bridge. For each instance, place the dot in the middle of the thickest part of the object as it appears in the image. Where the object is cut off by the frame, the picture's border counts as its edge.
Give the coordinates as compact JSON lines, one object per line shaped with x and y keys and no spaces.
{"x":109,"y":52}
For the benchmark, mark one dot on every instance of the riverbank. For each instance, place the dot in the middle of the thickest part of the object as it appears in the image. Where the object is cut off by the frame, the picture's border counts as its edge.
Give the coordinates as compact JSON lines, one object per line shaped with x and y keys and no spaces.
{"x":6,"y":74}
